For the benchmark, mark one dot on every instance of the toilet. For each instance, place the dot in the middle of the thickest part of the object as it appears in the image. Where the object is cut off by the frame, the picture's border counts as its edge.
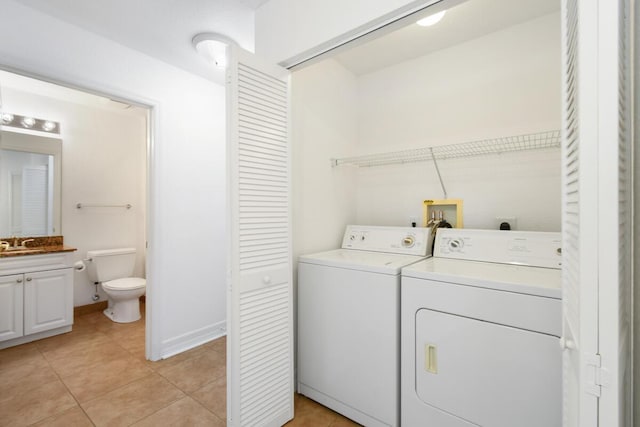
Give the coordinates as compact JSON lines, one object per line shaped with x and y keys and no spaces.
{"x":112,"y":268}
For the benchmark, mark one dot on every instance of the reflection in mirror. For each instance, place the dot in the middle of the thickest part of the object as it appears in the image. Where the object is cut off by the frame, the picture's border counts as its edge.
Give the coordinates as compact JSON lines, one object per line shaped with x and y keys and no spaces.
{"x":29,"y":185}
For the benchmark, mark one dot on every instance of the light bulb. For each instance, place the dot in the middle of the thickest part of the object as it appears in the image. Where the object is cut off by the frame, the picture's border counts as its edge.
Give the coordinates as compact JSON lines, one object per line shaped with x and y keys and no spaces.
{"x":7,"y":118}
{"x":28,"y":122}
{"x":48,"y":126}
{"x":431,"y":19}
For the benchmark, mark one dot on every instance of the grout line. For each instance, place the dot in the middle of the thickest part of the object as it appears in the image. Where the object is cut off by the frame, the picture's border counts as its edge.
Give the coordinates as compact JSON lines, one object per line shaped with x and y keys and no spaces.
{"x":66,"y":387}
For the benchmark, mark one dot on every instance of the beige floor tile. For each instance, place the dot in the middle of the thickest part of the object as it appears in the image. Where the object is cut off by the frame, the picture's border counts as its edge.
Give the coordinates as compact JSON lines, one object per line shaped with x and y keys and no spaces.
{"x":85,"y":357}
{"x":30,"y":370}
{"x":308,"y":413}
{"x":64,"y":345}
{"x":219,"y":344}
{"x":25,"y":406}
{"x":185,"y":412}
{"x":177,"y":359}
{"x":343,"y":422}
{"x":98,"y":379}
{"x":18,"y":352}
{"x":130,"y":339}
{"x":74,"y":417}
{"x":213,"y":396}
{"x":132,"y":402}
{"x":195,"y":372}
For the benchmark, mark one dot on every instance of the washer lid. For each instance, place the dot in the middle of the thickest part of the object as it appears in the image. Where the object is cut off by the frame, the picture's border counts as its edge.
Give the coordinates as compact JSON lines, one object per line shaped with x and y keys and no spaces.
{"x":375,"y":262}
{"x":126,"y":284}
{"x":539,"y":281}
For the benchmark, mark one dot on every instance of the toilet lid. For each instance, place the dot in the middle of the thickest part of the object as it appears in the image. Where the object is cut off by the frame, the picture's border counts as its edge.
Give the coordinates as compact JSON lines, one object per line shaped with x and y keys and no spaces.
{"x":126,"y":284}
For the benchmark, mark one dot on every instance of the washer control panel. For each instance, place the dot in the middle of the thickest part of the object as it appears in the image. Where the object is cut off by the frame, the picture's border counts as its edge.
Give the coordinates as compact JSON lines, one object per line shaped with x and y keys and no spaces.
{"x":401,"y":240}
{"x":531,"y":248}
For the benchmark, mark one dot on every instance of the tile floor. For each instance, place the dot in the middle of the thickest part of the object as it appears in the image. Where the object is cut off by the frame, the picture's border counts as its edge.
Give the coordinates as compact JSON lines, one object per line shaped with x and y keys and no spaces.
{"x":97,"y":376}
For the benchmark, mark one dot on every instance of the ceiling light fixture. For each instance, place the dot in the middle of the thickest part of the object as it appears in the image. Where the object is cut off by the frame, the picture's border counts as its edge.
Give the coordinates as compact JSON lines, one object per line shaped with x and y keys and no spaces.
{"x":213,"y":47}
{"x":431,"y":19}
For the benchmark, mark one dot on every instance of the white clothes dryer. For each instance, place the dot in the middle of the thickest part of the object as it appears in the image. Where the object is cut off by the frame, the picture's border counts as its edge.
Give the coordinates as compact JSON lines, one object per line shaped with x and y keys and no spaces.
{"x":349,"y":322}
{"x":481,"y":321}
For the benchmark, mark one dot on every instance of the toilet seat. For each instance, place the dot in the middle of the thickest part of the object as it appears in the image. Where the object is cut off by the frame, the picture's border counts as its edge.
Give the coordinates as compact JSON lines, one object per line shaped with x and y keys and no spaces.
{"x":126,"y":284}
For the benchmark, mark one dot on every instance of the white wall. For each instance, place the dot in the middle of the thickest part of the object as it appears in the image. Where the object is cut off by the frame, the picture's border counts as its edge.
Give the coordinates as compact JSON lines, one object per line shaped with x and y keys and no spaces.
{"x":104,"y":162}
{"x":285,"y":28}
{"x":187,"y":262}
{"x":506,"y":83}
{"x":324,"y":108}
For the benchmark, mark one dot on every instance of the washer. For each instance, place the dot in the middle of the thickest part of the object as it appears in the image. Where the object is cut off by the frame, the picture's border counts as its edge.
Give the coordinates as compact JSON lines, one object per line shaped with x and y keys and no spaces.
{"x":349,"y":322}
{"x":480,"y":327}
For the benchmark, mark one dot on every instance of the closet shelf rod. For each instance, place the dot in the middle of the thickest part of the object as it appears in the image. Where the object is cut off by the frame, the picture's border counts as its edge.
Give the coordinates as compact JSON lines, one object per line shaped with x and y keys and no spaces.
{"x":530,"y":141}
{"x":97,"y":205}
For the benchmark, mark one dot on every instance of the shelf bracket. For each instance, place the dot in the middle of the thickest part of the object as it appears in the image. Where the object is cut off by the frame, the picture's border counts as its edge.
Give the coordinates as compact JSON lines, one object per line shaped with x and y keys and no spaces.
{"x":435,"y":163}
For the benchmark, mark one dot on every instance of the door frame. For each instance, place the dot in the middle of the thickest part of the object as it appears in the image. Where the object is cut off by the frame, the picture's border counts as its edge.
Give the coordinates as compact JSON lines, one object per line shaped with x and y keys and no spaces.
{"x":154,"y":107}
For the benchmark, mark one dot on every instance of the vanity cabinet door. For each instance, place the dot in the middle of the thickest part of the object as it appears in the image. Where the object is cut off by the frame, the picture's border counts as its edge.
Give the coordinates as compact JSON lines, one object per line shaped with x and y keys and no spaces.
{"x":11,"y":306}
{"x":48,"y":298}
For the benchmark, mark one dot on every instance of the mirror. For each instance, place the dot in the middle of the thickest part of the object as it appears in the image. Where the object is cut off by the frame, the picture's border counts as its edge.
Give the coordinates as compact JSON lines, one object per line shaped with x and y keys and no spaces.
{"x":29,"y":185}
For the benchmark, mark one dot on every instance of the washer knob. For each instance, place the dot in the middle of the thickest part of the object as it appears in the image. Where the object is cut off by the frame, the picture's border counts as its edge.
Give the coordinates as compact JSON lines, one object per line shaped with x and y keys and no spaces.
{"x":408,"y":241}
{"x":456,"y":244}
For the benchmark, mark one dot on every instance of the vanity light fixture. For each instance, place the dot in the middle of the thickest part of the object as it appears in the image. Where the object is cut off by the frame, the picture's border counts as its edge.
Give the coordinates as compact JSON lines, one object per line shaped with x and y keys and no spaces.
{"x":431,"y":19}
{"x":213,"y":47}
{"x":27,"y":122}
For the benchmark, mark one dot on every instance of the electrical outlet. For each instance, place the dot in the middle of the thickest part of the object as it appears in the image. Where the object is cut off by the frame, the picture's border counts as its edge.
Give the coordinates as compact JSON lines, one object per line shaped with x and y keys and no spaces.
{"x":512,"y":220}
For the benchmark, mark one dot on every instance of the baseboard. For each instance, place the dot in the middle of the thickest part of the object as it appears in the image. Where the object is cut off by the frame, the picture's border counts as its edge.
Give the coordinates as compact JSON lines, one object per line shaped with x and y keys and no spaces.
{"x":90,"y":308}
{"x":187,"y":341}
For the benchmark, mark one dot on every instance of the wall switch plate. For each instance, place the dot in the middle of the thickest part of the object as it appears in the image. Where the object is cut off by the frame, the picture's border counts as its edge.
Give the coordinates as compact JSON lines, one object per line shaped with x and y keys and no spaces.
{"x":512,"y":220}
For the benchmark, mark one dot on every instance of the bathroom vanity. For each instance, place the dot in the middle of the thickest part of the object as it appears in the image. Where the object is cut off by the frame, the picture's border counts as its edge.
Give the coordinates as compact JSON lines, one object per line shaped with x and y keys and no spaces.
{"x":36,"y":294}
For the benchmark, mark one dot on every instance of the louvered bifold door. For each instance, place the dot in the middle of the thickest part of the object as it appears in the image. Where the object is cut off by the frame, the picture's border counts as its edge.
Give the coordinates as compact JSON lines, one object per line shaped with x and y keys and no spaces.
{"x":260,"y":338}
{"x":614,"y":252}
{"x":579,"y":211}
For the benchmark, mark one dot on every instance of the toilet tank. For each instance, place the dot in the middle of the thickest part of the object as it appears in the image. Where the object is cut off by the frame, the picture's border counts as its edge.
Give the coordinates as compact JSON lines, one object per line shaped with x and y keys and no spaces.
{"x":110,"y":264}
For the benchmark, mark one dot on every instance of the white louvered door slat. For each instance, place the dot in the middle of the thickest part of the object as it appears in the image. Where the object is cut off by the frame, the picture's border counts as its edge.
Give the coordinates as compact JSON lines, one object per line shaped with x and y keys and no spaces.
{"x":579,"y":210}
{"x":260,"y":339}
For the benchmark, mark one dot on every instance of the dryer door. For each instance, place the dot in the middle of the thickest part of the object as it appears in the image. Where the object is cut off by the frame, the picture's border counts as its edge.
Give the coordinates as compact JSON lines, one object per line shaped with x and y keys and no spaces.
{"x":486,"y":373}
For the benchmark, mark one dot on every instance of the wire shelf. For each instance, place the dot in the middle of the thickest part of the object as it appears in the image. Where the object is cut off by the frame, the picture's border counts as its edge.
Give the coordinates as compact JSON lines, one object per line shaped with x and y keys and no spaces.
{"x":532,"y":141}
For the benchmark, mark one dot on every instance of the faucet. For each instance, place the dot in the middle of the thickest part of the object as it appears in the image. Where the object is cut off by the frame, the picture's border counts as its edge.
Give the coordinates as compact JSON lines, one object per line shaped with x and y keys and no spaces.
{"x":23,"y":244}
{"x":15,"y":242}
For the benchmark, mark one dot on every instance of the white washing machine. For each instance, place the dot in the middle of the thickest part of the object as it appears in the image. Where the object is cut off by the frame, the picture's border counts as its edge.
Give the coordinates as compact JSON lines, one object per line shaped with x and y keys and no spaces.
{"x":349,"y":322}
{"x":480,"y":327}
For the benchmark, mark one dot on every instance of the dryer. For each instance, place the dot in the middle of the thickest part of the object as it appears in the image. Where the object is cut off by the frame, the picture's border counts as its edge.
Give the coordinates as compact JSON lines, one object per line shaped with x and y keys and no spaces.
{"x":480,"y":325}
{"x":349,"y":321}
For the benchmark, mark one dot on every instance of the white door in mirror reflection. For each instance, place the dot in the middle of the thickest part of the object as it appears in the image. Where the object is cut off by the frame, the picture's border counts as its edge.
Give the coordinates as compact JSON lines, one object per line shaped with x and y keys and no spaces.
{"x":31,"y":201}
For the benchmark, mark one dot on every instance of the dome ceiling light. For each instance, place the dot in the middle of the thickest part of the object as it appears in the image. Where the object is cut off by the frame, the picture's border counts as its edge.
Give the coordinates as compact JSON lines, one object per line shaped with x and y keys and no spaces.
{"x":213,"y":47}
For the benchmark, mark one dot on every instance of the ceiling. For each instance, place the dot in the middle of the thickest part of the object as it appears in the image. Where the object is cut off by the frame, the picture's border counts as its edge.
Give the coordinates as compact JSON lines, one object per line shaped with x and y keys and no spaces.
{"x":466,"y":21}
{"x":162,"y":29}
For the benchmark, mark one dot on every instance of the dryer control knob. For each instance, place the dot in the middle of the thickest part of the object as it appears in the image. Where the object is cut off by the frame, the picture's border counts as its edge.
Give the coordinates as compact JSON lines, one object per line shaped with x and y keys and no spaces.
{"x":408,"y":242}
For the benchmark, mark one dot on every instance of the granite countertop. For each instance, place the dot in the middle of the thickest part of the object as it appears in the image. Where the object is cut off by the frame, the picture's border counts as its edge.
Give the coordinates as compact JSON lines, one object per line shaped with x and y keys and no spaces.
{"x":40,"y":246}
